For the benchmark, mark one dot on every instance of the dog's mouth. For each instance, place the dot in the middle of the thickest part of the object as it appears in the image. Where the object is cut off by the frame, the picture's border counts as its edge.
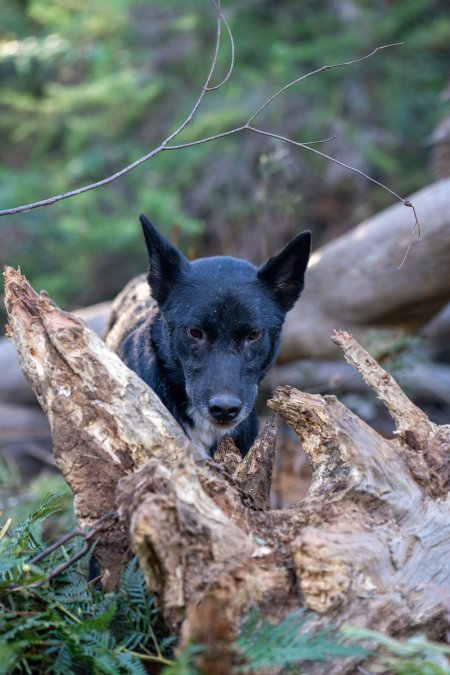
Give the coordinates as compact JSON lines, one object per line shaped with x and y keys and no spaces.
{"x":203,"y":419}
{"x":223,"y":425}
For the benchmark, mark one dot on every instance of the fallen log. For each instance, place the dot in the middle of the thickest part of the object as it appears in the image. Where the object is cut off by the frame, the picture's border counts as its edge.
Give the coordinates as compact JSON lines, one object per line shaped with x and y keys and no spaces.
{"x":14,"y":388}
{"x":103,"y":417}
{"x":424,"y":381}
{"x":355,"y":283}
{"x":369,"y":545}
{"x":25,"y":438}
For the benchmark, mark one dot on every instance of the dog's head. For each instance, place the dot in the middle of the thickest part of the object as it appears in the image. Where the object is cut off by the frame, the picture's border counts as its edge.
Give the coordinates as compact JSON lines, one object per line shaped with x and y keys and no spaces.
{"x":221,"y":321}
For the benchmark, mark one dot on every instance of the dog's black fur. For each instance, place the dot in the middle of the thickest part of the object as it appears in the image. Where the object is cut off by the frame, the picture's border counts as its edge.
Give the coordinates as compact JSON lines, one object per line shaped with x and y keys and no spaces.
{"x":215,"y":335}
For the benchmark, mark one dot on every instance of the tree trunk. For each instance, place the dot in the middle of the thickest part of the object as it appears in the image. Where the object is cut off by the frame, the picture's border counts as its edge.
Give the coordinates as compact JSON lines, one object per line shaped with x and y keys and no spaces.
{"x":355,"y":283}
{"x":369,"y":545}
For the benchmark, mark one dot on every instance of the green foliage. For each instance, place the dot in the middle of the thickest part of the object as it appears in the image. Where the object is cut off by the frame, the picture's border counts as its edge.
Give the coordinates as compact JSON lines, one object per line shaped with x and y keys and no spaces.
{"x":415,"y":656}
{"x":20,"y":500}
{"x":89,"y":87}
{"x":263,"y":644}
{"x":67,"y":624}
{"x":185,"y":663}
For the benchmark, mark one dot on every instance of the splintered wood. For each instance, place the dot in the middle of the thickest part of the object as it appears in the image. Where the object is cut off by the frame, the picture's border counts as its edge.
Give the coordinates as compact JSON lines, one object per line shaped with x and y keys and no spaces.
{"x":368,"y":546}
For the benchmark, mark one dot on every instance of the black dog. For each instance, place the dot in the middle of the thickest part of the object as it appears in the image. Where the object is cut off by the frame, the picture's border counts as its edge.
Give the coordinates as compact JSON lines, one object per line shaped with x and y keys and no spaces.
{"x":213,"y":336}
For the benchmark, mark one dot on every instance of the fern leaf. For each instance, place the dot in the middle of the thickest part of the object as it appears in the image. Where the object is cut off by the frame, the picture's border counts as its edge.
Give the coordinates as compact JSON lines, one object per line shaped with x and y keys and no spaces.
{"x":98,"y":623}
{"x":265,"y":645}
{"x":9,"y":655}
{"x":130,"y":664}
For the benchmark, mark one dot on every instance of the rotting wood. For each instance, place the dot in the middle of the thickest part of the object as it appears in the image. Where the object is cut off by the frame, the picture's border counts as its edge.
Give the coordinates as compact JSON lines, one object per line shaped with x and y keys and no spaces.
{"x":105,"y":421}
{"x":254,"y":473}
{"x":368,"y":546}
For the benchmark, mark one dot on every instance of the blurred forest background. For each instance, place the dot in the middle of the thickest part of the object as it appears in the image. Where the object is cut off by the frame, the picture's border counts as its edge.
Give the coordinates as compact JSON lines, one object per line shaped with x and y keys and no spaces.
{"x":87,"y":88}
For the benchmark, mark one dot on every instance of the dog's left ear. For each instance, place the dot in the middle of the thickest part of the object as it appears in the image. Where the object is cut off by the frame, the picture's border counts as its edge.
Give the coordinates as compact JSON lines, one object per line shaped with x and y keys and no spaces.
{"x":284,"y":273}
{"x":165,"y":262}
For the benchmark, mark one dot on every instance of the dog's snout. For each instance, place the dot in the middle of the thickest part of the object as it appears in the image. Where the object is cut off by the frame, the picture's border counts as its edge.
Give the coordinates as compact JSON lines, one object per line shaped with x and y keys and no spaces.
{"x":224,"y":407}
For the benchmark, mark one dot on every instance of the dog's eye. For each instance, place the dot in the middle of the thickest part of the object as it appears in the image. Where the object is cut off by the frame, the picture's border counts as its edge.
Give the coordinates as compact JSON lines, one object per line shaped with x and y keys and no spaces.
{"x":196,"y":333}
{"x":253,"y":335}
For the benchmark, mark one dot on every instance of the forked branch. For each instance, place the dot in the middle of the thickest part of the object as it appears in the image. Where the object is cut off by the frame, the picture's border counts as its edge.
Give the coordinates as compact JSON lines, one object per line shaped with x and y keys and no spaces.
{"x":207,"y":87}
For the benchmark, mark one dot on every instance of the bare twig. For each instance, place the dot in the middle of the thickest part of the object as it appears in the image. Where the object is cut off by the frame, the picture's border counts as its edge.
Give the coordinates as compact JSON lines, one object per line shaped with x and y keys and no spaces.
{"x":306,"y":146}
{"x":407,"y":202}
{"x":315,"y":72}
{"x":160,"y":148}
{"x":247,"y":126}
{"x":230,"y":70}
{"x":205,"y":86}
{"x":87,"y":535}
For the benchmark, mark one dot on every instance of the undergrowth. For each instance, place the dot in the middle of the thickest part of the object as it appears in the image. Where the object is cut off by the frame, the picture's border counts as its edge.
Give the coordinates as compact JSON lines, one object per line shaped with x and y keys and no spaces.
{"x":68,"y":625}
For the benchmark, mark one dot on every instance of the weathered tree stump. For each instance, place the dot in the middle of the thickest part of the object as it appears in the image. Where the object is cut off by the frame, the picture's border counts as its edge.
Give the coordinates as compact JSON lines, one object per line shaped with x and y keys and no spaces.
{"x":368,"y":546}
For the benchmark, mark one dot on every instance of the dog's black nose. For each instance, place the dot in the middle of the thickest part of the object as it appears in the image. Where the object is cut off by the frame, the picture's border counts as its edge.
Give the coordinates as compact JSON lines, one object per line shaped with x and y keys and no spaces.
{"x":224,"y":407}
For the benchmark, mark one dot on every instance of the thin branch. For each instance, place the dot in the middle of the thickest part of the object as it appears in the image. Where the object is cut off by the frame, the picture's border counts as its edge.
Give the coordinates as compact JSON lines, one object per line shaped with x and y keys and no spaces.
{"x":88,"y":537}
{"x":150,"y":658}
{"x":236,"y":130}
{"x":307,"y":146}
{"x":230,"y":70}
{"x":208,"y":80}
{"x":411,"y":238}
{"x":315,"y":72}
{"x":145,"y":158}
{"x":79,"y":191}
{"x":323,"y":140}
{"x":189,"y":144}
{"x":247,"y":126}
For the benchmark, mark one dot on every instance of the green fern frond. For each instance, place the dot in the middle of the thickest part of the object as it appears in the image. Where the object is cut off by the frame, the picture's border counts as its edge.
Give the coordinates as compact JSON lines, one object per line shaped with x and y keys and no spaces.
{"x":130,"y":664}
{"x":24,"y":535}
{"x":74,"y":592}
{"x":100,"y":622}
{"x":9,"y":654}
{"x":265,"y":645}
{"x":66,"y":624}
{"x":63,"y":662}
{"x":105,"y":663}
{"x":413,"y":656}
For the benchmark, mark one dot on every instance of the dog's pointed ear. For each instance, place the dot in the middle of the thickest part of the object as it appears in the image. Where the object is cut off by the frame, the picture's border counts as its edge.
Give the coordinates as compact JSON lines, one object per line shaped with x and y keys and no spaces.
{"x":284,"y":273}
{"x":165,"y":262}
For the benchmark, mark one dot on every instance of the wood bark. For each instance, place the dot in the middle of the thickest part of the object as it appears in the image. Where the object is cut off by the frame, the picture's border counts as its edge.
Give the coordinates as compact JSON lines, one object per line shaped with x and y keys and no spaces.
{"x":369,"y":545}
{"x":103,"y":418}
{"x":14,"y":388}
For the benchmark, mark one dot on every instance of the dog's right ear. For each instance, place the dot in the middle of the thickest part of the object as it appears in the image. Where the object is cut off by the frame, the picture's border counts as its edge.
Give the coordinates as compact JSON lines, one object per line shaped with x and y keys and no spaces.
{"x":165,"y":262}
